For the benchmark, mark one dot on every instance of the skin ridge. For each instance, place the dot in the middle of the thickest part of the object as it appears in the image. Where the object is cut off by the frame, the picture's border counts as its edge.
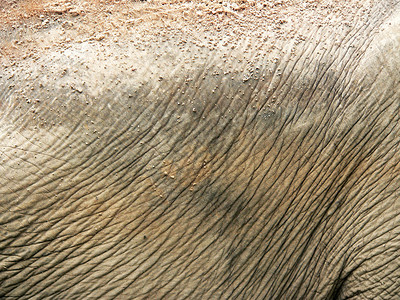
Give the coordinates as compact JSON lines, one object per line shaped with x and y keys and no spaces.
{"x":221,"y":220}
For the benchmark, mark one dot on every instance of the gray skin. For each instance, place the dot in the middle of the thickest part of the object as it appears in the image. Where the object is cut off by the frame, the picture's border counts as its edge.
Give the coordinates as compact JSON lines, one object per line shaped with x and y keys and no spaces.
{"x":160,"y":171}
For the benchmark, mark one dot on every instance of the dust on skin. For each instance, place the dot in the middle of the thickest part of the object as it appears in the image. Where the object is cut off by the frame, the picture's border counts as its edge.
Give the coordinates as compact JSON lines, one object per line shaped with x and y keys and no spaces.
{"x":214,"y":22}
{"x":243,"y":35}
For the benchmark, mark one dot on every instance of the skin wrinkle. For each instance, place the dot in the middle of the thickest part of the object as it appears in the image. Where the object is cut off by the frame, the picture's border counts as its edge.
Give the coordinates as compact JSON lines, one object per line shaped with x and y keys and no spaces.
{"x":129,"y":160}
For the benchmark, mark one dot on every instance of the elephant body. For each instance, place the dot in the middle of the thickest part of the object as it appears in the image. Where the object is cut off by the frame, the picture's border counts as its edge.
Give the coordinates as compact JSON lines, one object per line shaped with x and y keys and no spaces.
{"x":183,"y":154}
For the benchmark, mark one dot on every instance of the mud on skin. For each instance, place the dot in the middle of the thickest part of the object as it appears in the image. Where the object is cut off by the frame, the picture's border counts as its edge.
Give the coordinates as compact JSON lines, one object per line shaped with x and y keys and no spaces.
{"x":199,"y":150}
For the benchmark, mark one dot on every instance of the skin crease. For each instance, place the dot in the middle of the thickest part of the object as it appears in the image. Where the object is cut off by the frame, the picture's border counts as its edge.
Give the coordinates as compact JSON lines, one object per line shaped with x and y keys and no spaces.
{"x":203,"y":153}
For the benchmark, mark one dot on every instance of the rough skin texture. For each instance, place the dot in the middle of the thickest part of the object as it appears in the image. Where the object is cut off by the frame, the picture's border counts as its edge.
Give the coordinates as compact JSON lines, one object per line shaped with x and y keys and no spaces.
{"x":200,"y":149}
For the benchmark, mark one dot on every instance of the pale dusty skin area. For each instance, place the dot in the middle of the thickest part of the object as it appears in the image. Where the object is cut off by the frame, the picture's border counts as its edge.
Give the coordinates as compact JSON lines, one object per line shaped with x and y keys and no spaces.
{"x":199,"y":149}
{"x":222,"y":22}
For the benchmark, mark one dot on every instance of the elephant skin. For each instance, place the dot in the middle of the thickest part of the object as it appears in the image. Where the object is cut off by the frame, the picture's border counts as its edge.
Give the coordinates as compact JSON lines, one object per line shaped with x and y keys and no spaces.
{"x":200,"y":149}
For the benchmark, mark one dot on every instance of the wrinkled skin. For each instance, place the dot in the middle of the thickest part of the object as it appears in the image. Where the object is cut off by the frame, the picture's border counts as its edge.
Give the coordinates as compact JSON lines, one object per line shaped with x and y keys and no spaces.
{"x":150,"y":172}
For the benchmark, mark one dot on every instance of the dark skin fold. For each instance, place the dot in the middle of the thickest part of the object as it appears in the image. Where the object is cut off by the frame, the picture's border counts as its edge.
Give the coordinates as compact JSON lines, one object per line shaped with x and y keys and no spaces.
{"x":169,"y":166}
